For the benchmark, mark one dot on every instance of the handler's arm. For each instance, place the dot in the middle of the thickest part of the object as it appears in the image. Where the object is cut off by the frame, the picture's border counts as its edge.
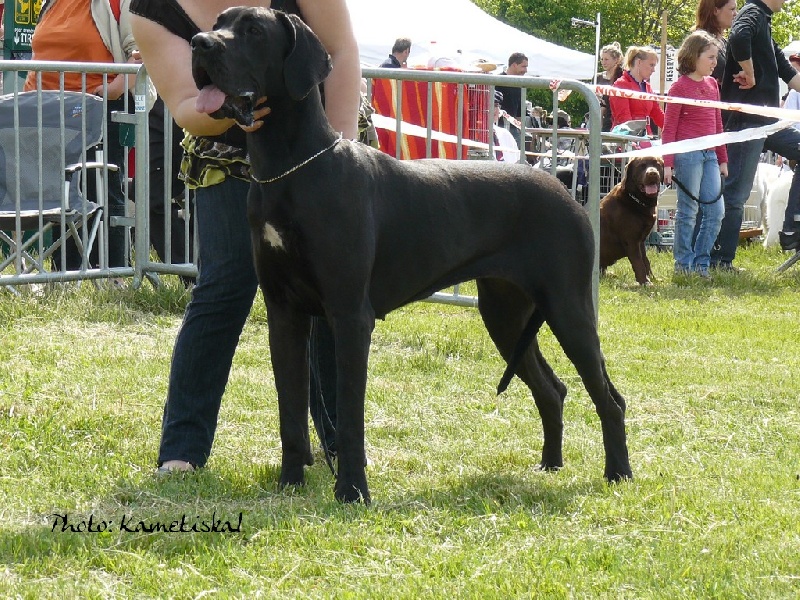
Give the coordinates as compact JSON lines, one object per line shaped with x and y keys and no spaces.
{"x":620,"y":109}
{"x":168,"y":59}
{"x":740,"y":43}
{"x":794,"y":83}
{"x":330,"y":20}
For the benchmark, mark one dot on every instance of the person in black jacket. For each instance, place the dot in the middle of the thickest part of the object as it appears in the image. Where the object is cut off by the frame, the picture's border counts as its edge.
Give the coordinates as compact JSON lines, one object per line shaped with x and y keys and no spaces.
{"x":400,"y":51}
{"x":512,"y":96}
{"x":754,"y":66}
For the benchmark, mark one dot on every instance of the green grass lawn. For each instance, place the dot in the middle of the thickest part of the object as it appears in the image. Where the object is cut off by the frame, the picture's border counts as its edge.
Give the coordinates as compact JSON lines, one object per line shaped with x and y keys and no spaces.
{"x":710,"y":371}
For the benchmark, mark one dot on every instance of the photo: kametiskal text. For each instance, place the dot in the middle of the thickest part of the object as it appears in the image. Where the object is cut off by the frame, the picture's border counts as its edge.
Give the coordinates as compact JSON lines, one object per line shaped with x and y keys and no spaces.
{"x":66,"y":523}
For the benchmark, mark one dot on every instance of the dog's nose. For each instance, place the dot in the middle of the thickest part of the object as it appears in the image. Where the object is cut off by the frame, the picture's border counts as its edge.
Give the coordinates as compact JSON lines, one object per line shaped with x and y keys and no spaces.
{"x":202,"y":41}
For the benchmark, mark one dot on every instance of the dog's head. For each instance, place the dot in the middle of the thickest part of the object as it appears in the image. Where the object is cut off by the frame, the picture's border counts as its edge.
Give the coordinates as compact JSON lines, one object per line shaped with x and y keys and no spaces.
{"x":643,"y":177}
{"x":255,"y":52}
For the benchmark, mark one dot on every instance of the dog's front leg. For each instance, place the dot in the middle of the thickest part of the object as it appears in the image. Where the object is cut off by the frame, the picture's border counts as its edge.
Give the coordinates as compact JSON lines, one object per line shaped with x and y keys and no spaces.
{"x":289,"y":331}
{"x":638,"y":257}
{"x":352,"y":337}
{"x":648,"y":268}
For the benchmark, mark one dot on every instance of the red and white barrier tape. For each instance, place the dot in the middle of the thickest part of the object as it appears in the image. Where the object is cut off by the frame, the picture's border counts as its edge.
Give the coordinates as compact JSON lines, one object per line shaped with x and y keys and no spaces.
{"x":390,"y":124}
{"x":787,"y":119}
{"x":751,"y":109}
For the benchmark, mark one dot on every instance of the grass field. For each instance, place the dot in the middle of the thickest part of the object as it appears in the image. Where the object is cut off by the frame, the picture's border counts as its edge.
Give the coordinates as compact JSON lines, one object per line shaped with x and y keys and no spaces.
{"x":710,"y":371}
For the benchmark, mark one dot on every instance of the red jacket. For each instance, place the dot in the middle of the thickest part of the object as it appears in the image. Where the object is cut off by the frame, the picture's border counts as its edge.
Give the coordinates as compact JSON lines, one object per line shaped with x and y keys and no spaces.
{"x":626,"y":109}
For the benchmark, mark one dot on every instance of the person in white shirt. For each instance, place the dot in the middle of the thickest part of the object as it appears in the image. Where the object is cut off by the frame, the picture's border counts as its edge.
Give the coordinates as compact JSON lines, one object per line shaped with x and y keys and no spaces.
{"x":506,"y":148}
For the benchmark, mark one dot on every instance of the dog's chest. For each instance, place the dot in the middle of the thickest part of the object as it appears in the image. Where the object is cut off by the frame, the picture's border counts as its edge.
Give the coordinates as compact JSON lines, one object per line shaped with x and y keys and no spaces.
{"x":284,"y":271}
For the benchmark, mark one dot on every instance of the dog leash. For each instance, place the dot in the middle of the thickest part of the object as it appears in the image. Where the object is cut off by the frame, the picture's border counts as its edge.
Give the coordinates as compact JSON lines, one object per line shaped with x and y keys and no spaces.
{"x":695,"y":198}
{"x":302,"y":164}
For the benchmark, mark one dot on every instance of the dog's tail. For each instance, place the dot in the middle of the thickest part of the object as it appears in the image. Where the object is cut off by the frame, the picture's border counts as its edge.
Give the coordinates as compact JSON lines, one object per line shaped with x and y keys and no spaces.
{"x":525,"y":338}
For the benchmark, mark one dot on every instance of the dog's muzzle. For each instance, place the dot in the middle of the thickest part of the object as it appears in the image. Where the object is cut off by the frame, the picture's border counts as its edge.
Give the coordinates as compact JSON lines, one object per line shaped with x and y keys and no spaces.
{"x":207,"y":50}
{"x":651,"y":182}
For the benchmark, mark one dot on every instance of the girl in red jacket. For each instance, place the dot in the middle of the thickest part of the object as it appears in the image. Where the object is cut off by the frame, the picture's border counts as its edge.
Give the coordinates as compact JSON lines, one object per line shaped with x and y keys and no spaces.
{"x":640,"y":63}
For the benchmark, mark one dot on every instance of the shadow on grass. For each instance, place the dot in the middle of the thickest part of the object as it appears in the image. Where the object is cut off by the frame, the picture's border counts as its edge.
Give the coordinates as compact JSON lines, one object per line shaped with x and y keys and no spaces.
{"x":759,"y":277}
{"x":496,"y":494}
{"x":208,"y":495}
{"x":689,"y":287}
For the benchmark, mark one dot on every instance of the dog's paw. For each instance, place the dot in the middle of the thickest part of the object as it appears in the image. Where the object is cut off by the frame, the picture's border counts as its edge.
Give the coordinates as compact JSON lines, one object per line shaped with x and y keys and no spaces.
{"x":292,"y":475}
{"x":549,"y":468}
{"x":617,"y":477}
{"x":350,"y":494}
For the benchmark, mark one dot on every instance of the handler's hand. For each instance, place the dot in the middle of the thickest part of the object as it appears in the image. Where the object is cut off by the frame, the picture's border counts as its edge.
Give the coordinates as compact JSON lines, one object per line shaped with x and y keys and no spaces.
{"x":259,"y":113}
{"x":745,"y":82}
{"x":723,"y":169}
{"x":668,"y":175}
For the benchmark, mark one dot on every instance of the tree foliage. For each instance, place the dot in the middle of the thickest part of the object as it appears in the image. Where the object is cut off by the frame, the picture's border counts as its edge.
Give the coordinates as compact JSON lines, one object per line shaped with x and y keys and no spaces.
{"x":629,"y":22}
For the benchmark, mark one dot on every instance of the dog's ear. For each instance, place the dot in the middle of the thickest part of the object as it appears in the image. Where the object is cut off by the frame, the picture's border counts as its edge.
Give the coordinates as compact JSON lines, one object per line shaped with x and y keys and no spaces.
{"x":307,"y":64}
{"x":629,"y":166}
{"x":660,"y":165}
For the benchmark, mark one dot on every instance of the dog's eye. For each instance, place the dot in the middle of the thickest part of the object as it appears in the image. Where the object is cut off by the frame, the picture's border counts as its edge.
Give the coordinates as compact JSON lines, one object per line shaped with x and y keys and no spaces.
{"x":253,"y":30}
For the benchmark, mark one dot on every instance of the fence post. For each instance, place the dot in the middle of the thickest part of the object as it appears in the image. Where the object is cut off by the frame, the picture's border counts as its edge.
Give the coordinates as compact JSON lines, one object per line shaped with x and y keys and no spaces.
{"x":142,"y":181}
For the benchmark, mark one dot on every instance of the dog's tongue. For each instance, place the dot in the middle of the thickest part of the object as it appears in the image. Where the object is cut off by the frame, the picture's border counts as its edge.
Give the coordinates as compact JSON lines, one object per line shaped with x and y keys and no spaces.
{"x":209,"y":100}
{"x":651,"y":189}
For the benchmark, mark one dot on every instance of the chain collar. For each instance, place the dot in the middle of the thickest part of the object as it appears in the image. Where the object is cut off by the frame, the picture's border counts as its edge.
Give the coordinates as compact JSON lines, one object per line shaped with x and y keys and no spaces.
{"x":302,"y":164}
{"x":638,"y":201}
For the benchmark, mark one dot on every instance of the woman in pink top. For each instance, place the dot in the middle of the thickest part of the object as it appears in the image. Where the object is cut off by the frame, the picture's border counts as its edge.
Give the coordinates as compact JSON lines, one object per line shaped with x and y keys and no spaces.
{"x":698,"y":173}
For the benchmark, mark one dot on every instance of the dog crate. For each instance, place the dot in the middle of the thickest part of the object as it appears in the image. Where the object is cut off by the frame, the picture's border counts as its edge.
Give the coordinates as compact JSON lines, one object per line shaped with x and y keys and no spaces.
{"x":611,"y":170}
{"x":663,"y":234}
{"x":480,"y":117}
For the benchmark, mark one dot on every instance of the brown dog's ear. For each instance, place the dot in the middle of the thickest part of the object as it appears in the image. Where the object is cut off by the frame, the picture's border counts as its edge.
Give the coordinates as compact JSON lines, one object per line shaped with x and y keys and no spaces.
{"x":660,"y":162}
{"x":307,"y":63}
{"x":624,"y":179}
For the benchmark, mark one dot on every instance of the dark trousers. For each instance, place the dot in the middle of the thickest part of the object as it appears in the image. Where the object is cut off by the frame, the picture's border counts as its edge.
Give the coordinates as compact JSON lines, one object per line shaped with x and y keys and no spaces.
{"x":212,"y":324}
{"x":743,"y":160}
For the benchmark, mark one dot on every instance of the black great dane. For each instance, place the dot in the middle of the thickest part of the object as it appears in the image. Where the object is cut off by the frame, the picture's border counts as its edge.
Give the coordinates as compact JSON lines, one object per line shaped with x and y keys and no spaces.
{"x":344,"y":231}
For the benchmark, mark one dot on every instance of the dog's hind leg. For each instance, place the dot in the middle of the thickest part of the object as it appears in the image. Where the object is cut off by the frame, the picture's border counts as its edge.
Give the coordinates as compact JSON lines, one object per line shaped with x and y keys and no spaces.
{"x":506,"y":312}
{"x":289,"y":331}
{"x":571,"y":319}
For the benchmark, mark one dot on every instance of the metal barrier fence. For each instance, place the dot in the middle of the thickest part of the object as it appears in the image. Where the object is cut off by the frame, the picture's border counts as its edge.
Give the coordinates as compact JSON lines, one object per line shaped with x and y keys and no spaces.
{"x":465,"y":87}
{"x":23,"y":261}
{"x":144,"y":215}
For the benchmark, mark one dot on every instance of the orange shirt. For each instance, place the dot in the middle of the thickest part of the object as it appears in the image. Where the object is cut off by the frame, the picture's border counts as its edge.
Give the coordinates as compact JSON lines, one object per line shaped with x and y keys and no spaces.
{"x":67,"y":32}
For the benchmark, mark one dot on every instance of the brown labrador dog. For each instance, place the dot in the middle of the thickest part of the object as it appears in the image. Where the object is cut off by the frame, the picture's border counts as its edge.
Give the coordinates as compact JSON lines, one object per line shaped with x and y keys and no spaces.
{"x":627,"y":216}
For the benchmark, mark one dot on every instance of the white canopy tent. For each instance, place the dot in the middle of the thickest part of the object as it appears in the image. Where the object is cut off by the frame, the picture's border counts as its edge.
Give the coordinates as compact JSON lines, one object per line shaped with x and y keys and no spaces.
{"x":792,"y":48}
{"x":460,"y":30}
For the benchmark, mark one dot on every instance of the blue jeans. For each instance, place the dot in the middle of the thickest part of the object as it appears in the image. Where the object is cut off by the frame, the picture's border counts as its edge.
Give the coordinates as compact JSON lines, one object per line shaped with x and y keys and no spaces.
{"x":698,"y":171}
{"x":212,"y":324}
{"x":743,"y":160}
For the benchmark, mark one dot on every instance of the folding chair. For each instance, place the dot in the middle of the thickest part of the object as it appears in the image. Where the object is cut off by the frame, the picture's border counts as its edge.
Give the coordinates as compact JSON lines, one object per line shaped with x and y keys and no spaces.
{"x":44,"y":139}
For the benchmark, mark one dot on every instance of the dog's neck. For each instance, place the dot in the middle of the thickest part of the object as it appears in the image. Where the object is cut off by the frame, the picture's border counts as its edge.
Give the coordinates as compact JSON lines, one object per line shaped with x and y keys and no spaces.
{"x":292,"y":133}
{"x":645,"y":203}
